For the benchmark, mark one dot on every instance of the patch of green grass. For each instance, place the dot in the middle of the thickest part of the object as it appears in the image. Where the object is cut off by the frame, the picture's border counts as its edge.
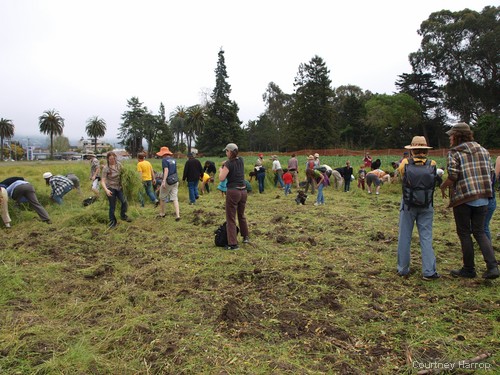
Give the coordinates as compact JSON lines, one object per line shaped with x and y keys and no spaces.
{"x":314,"y":292}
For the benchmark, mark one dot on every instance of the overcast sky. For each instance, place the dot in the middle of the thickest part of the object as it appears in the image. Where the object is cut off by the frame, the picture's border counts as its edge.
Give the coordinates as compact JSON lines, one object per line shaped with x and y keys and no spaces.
{"x":87,"y":57}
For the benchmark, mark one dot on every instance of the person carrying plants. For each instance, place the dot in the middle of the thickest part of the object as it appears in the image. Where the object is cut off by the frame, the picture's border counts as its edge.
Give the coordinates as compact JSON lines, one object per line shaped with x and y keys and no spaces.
{"x":419,"y":175}
{"x":111,"y":182}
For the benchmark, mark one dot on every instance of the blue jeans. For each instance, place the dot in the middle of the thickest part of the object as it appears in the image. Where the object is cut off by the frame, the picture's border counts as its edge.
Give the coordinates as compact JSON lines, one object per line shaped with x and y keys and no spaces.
{"x":278,"y":178}
{"x":148,"y":186}
{"x":193,"y":191}
{"x":320,"y":198}
{"x":117,"y":194}
{"x":347,"y":183}
{"x":469,"y":219}
{"x":407,"y":219}
{"x":261,"y":179}
{"x":492,"y":205}
{"x":288,"y":189}
{"x":58,"y":198}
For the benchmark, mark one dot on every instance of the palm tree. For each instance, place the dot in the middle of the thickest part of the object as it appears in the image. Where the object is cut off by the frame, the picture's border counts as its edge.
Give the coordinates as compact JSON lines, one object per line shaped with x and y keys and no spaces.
{"x":96,"y":127}
{"x":178,"y":120}
{"x":195,"y":122}
{"x":51,"y":123}
{"x":6,"y":131}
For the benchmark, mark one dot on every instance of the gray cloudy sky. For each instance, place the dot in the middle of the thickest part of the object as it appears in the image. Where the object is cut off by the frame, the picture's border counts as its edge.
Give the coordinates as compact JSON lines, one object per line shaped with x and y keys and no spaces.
{"x":87,"y":57}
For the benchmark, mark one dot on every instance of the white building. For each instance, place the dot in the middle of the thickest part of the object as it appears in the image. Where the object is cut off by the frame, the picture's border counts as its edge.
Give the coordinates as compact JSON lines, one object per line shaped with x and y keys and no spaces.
{"x":87,"y":145}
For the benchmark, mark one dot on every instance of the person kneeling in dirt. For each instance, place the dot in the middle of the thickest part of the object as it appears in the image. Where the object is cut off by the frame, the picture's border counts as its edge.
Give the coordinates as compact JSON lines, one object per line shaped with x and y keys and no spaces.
{"x":417,"y":207}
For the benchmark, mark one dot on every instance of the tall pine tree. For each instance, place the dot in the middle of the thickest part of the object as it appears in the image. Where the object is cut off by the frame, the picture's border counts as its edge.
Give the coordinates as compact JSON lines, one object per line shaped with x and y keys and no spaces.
{"x":312,"y":115}
{"x":222,"y":125}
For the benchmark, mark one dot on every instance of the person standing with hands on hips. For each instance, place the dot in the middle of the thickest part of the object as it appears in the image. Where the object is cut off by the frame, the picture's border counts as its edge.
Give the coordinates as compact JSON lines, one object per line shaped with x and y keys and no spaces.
{"x":469,"y":181}
{"x":236,"y":196}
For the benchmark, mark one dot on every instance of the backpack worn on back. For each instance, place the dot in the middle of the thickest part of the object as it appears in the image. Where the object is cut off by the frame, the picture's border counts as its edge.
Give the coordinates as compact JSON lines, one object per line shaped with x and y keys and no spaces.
{"x":221,"y":235}
{"x":418,"y":184}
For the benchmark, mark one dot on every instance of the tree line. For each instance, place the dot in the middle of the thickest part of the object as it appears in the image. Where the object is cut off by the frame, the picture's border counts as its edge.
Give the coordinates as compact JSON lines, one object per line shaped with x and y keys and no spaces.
{"x":454,"y":77}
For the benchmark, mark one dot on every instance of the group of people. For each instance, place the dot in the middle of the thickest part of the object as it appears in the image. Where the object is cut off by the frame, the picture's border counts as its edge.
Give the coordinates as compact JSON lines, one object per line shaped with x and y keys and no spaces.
{"x":470,"y":187}
{"x":469,"y":184}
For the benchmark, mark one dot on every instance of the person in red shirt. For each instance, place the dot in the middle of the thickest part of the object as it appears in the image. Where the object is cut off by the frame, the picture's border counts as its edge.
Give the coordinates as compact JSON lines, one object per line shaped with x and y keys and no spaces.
{"x":288,"y":180}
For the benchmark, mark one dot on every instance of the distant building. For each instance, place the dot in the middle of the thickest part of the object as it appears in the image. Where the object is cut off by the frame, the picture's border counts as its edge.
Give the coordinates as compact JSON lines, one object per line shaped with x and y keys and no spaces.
{"x":88,"y":145}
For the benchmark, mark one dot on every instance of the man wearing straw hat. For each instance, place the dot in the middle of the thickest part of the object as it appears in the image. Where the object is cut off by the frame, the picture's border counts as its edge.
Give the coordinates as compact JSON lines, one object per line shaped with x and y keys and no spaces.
{"x":417,"y":207}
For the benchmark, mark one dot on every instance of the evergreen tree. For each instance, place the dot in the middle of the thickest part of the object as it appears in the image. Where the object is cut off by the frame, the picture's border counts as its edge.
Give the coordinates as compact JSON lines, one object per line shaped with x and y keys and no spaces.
{"x":311,"y":118}
{"x":131,"y":131}
{"x":222,"y":124}
{"x":277,"y":115}
{"x":349,"y":107}
{"x":423,"y":89}
{"x":164,"y":136}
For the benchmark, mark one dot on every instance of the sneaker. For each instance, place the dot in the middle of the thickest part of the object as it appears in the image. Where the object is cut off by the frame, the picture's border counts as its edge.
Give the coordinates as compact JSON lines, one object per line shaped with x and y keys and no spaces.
{"x":369,"y":192}
{"x":112,"y":224}
{"x":246,"y":239}
{"x":377,"y":193}
{"x":127,"y":219}
{"x":48,"y":221}
{"x":463,"y":273}
{"x":177,"y":218}
{"x":317,"y":203}
{"x":492,"y":273}
{"x":435,"y":276}
{"x":7,"y":225}
{"x":232,"y":247}
{"x":157,"y":203}
{"x":161,"y":216}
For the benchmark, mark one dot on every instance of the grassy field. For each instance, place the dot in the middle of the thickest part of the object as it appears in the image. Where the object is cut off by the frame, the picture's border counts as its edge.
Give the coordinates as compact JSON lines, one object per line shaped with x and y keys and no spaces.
{"x":316,"y":291}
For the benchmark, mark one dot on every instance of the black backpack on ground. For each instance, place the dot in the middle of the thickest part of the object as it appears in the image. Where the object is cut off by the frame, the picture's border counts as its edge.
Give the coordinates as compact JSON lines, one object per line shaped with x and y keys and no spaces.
{"x":419,"y":181}
{"x":221,"y":235}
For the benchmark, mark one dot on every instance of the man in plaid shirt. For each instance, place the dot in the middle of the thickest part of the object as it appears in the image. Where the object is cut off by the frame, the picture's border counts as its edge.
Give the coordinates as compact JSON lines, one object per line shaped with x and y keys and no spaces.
{"x":60,"y":185}
{"x":470,"y":187}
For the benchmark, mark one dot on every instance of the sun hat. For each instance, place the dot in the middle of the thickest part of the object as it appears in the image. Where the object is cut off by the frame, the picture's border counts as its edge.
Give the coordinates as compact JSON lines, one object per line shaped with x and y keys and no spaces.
{"x":310,"y":157}
{"x":461,"y":126}
{"x":418,"y":142}
{"x":164,"y":151}
{"x":47,"y":175}
{"x":231,"y":147}
{"x":316,"y":155}
{"x":274,"y":157}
